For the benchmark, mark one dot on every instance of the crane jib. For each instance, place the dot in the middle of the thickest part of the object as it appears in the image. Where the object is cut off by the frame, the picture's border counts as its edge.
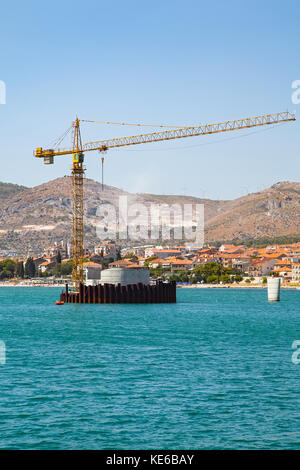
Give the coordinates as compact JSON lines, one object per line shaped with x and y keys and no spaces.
{"x":207,"y":129}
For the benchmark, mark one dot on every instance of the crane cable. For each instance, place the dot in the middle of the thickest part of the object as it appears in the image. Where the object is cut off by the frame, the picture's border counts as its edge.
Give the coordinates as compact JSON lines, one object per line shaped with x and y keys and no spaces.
{"x":139,"y":125}
{"x":62,"y":137}
{"x":200,"y":145}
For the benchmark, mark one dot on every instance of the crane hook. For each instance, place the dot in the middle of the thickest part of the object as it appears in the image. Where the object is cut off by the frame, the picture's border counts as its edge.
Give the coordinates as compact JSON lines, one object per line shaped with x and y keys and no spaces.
{"x":102,"y":160}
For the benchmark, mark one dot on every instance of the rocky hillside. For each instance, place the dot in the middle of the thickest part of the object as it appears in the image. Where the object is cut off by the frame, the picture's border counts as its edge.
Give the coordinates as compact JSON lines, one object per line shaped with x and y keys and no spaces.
{"x":274,"y":212}
{"x":32,"y":218}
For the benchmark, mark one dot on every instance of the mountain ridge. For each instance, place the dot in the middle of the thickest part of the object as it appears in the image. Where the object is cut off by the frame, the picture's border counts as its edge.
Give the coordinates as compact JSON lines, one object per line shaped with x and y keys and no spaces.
{"x":32,"y":218}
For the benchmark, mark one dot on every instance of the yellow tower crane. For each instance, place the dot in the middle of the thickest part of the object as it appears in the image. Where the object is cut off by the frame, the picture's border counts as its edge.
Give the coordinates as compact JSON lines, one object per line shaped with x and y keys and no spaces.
{"x":78,"y":150}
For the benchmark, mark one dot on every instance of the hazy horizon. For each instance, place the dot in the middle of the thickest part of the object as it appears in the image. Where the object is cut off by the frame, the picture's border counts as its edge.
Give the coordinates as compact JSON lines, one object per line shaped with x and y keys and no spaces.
{"x":156,"y":193}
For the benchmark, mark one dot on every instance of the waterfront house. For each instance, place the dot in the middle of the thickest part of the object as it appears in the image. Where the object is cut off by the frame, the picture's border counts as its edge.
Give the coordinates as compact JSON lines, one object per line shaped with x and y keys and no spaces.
{"x":295,"y":272}
{"x":261,"y":267}
{"x":46,"y":266}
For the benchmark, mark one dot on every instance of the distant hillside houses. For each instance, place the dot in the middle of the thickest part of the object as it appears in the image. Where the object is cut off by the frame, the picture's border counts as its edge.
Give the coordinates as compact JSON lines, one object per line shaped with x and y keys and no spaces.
{"x":249,"y":262}
{"x":108,"y":250}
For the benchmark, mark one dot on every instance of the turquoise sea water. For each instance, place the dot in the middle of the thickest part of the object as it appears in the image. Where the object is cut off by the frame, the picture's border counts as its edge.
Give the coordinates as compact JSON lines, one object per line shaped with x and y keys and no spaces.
{"x":213,"y":371}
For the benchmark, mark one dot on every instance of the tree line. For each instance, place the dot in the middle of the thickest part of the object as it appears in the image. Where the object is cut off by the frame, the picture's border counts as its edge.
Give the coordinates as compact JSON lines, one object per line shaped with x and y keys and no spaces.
{"x":10,"y":269}
{"x":209,"y":273}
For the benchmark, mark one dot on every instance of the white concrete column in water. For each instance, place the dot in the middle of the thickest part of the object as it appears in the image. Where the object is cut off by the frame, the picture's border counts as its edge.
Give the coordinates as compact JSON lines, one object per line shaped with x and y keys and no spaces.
{"x":274,"y":289}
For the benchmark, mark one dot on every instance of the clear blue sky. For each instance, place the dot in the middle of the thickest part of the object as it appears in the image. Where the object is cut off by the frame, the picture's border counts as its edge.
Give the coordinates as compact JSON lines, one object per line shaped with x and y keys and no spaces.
{"x":158,"y":62}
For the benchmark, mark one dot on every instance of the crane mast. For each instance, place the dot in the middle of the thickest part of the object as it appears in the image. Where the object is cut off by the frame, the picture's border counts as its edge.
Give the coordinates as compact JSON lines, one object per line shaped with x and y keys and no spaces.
{"x":77,"y":189}
{"x":78,"y":149}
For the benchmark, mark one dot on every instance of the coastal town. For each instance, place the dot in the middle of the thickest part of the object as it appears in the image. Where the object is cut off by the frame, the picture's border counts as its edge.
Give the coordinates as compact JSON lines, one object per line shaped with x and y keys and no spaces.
{"x":223,"y":265}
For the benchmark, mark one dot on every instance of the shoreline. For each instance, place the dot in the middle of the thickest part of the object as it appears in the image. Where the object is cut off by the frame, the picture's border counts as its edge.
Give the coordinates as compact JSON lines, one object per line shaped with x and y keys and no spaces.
{"x":189,"y":286}
{"x":31,"y":285}
{"x":234,"y":286}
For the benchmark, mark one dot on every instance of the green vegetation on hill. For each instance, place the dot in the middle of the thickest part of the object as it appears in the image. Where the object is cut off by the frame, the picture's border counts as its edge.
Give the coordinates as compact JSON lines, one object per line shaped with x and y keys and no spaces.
{"x":261,"y":242}
{"x":9,"y":189}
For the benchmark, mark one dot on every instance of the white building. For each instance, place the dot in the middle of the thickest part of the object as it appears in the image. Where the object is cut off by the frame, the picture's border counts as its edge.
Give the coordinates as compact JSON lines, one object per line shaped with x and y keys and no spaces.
{"x":296,"y":272}
{"x":125,"y":276}
{"x":92,"y":273}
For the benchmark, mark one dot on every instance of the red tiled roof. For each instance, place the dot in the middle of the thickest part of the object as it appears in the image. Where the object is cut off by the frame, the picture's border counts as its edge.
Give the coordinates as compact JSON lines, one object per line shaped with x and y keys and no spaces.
{"x":91,"y":263}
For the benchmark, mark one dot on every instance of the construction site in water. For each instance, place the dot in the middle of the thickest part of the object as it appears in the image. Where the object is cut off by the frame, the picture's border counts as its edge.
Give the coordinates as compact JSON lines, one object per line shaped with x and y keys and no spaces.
{"x":122,"y":287}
